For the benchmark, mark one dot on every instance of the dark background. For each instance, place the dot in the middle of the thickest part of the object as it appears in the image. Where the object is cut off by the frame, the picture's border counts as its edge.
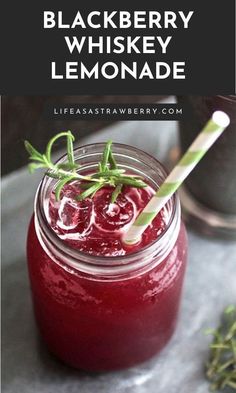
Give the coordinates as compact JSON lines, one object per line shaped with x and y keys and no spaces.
{"x":207,"y":46}
{"x":22,"y":119}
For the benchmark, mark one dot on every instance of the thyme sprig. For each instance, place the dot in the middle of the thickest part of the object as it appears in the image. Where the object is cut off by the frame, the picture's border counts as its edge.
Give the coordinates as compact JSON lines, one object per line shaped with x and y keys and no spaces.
{"x":221,"y":367}
{"x":108,"y":172}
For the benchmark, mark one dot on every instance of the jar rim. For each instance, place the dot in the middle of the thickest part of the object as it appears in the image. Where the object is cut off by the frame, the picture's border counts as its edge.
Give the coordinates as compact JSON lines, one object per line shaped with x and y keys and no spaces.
{"x":96,"y":260}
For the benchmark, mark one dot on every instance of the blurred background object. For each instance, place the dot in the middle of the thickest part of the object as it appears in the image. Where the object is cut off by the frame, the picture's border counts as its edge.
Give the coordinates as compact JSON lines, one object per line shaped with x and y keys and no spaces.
{"x":209,"y":193}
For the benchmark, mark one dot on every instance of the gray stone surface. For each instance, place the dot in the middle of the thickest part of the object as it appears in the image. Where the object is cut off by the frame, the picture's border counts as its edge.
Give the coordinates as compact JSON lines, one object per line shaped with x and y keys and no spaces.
{"x":210,"y":285}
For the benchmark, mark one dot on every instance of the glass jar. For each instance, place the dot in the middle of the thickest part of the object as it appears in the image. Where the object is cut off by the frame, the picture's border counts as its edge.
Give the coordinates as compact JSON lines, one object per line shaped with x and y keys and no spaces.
{"x":102,"y":313}
{"x":208,"y":195}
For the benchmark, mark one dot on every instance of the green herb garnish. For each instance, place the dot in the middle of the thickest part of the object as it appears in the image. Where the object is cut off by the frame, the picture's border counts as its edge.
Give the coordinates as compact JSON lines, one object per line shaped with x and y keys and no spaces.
{"x":108,"y":172}
{"x":221,"y":367}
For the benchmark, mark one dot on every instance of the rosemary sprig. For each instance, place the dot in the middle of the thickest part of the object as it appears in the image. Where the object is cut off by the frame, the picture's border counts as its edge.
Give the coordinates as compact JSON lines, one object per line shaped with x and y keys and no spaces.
{"x":221,"y":367}
{"x":108,"y":172}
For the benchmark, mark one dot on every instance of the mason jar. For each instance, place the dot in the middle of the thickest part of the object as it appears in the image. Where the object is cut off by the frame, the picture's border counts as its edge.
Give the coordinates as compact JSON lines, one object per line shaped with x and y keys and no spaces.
{"x":100,"y":313}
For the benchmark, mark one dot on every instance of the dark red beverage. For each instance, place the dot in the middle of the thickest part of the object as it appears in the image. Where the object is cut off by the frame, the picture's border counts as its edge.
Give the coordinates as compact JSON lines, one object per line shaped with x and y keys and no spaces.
{"x":99,"y":304}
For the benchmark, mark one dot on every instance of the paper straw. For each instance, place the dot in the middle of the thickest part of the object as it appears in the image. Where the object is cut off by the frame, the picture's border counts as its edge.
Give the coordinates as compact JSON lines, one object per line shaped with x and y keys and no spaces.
{"x":210,"y":133}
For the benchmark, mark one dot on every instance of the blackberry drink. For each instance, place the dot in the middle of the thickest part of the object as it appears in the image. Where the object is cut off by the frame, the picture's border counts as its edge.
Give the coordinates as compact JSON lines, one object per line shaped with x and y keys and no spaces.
{"x":100,"y":304}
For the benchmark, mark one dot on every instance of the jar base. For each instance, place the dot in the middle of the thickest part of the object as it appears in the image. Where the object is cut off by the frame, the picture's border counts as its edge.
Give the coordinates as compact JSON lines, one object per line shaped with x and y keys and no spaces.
{"x":110,"y":366}
{"x":205,"y":220}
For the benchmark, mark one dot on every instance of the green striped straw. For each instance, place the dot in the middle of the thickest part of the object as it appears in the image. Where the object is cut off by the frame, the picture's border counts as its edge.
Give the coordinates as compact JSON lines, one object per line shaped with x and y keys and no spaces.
{"x":210,"y":133}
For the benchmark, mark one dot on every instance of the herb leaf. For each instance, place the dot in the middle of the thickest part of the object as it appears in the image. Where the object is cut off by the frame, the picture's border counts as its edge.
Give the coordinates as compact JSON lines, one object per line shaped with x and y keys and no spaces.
{"x":60,"y":186}
{"x":68,"y":166}
{"x":131,"y":181}
{"x":70,"y":151}
{"x":105,"y":156}
{"x":116,"y":192}
{"x":108,"y":174}
{"x":34,"y":154}
{"x":33,"y":166}
{"x":221,"y":367}
{"x":112,"y":161}
{"x":90,"y":191}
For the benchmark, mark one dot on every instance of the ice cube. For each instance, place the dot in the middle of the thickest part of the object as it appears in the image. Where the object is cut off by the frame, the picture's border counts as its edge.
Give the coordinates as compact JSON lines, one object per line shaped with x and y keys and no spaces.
{"x":68,"y":214}
{"x":74,"y":215}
